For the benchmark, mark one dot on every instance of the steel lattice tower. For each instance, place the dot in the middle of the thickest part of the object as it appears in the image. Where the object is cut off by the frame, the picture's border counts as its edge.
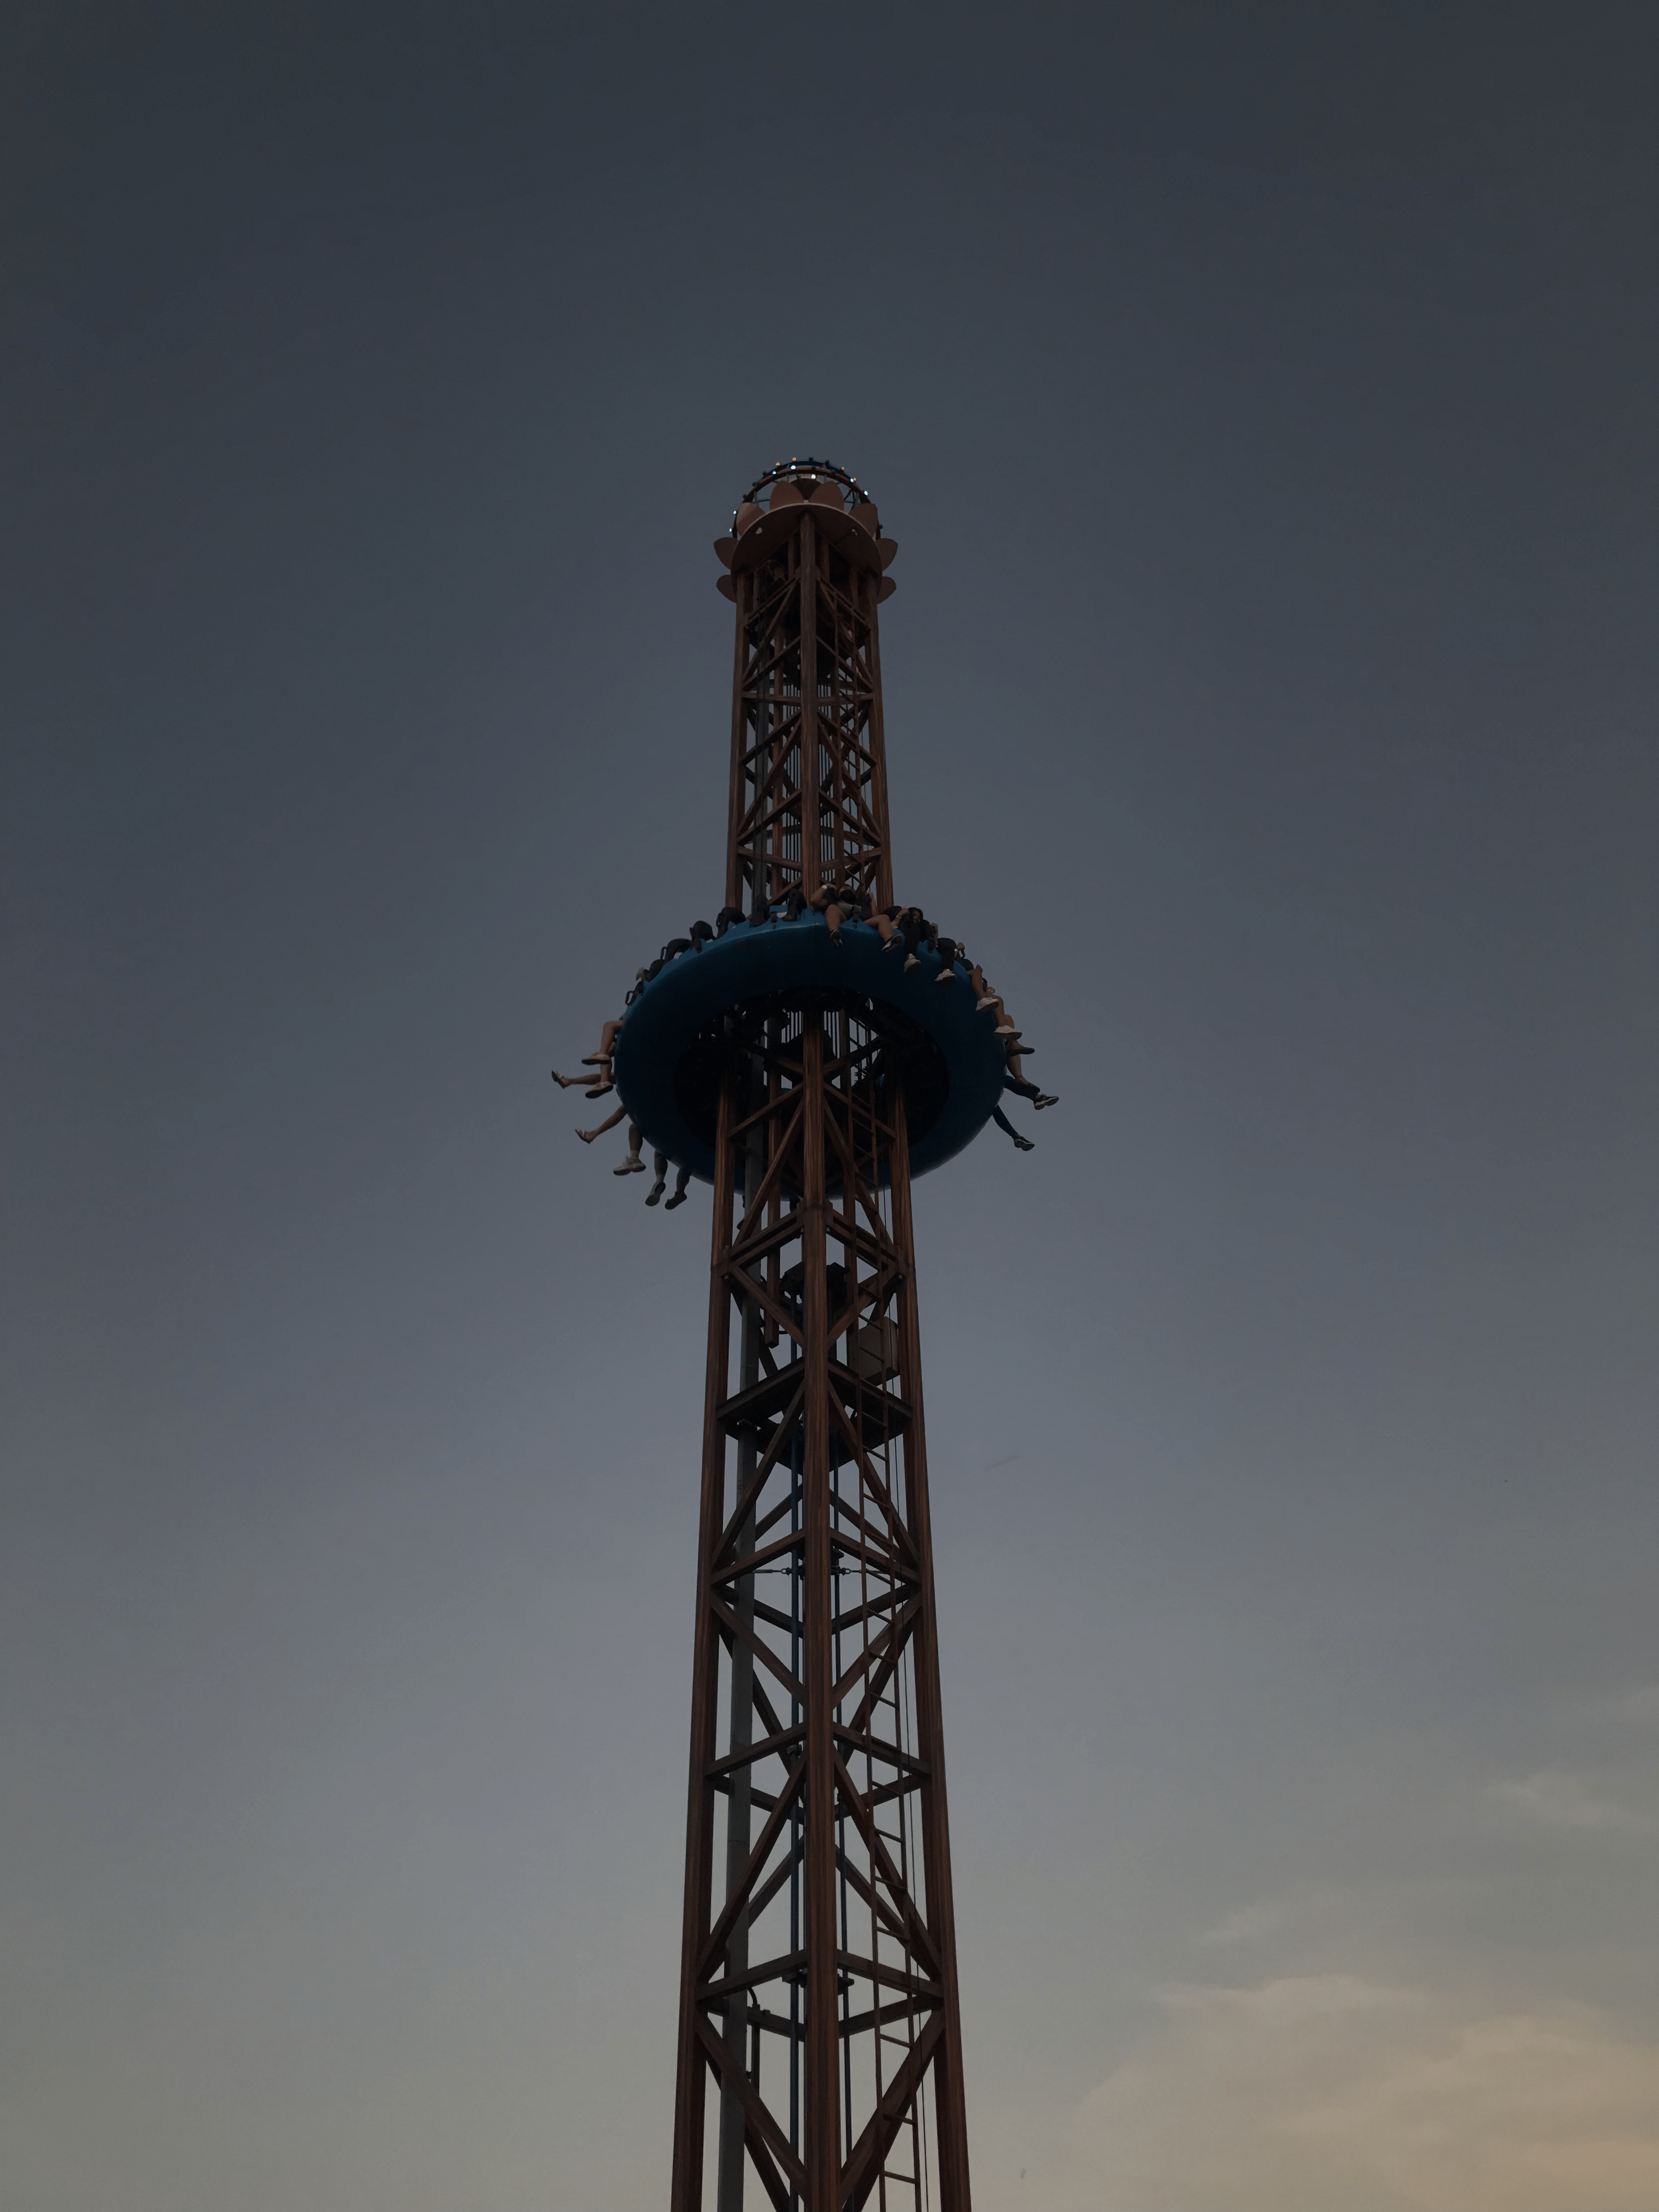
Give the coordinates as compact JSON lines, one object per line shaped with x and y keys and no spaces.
{"x":808,"y":1074}
{"x":818,"y":1980}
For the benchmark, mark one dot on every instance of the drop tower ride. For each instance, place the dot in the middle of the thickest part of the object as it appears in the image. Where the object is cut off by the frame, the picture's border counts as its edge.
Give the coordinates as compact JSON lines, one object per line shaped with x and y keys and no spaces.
{"x":809,"y":1078}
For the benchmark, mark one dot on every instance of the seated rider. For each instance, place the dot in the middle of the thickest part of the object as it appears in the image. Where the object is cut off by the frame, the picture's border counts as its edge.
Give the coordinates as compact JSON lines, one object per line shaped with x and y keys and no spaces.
{"x":660,"y":1164}
{"x":634,"y":1164}
{"x":986,"y":1000}
{"x":836,"y":905}
{"x":599,"y":1081}
{"x":1015,"y":1078}
{"x":1025,"y":1144}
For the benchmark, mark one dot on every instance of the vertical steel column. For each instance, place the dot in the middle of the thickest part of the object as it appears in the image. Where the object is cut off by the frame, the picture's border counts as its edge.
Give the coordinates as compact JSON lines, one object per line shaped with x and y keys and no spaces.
{"x":686,"y":2187}
{"x":740,"y":1734}
{"x":812,"y":741}
{"x":822,"y":2038}
{"x":950,"y":2103}
{"x":876,"y":740}
{"x":743,"y":594}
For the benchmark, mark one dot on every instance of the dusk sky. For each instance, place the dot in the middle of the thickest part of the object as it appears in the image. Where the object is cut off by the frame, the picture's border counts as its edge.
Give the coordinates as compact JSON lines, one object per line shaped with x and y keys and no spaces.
{"x":1265,"y":400}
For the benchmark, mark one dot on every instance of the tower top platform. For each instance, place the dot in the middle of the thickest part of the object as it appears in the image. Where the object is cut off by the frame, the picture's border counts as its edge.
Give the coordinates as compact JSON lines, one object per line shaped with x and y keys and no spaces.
{"x":770,"y":511}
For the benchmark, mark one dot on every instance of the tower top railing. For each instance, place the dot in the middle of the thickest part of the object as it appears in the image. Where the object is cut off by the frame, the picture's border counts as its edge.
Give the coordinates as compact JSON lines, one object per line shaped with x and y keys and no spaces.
{"x":810,"y":477}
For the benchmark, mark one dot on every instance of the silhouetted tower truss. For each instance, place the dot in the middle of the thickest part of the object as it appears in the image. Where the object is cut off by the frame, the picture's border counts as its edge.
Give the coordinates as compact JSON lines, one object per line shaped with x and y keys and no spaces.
{"x":807,"y":729}
{"x":819,"y":2042}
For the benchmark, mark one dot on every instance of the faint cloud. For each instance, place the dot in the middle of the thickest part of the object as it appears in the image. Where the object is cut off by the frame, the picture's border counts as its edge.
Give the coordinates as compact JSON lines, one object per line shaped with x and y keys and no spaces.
{"x":1268,"y":1916}
{"x":1289,"y":2000}
{"x":1306,"y":2092}
{"x":1556,"y":1799}
{"x":1637,"y":1707}
{"x":1249,"y":1923}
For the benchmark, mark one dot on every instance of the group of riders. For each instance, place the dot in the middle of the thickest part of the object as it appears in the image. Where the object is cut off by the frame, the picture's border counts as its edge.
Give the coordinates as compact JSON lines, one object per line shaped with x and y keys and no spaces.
{"x":901,"y":928}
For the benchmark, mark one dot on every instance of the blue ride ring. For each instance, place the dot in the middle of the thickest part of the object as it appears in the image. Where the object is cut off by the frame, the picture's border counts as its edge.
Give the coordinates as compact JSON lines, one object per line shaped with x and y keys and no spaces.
{"x":668,"y":1052}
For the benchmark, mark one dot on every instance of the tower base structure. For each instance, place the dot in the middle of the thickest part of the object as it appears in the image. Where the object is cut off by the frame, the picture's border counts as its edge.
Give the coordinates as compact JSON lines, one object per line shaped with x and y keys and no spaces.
{"x":818,"y":2006}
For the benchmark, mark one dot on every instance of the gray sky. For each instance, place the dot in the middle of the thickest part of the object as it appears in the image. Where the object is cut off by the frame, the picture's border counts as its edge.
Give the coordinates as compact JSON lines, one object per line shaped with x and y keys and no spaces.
{"x":1264,"y":401}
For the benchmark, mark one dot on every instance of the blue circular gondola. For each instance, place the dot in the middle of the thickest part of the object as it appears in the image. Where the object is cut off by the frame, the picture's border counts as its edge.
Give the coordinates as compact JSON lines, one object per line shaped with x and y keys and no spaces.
{"x":672,"y":1045}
